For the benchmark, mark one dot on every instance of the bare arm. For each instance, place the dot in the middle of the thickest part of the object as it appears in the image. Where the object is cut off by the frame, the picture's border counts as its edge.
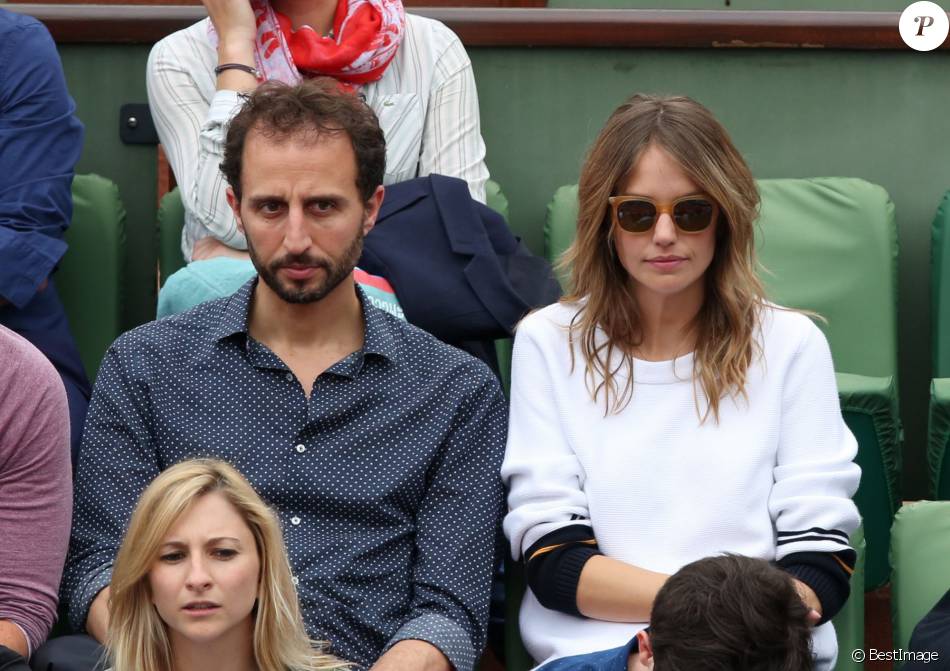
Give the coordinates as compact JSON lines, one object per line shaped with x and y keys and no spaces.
{"x":412,"y":655}
{"x":11,"y":636}
{"x":617,"y":592}
{"x":97,"y":622}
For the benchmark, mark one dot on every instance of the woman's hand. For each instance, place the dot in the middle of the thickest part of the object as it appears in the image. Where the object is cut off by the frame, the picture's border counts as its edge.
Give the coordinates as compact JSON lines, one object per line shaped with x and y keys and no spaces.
{"x":209,"y":248}
{"x":234,"y":22}
{"x":810,"y":599}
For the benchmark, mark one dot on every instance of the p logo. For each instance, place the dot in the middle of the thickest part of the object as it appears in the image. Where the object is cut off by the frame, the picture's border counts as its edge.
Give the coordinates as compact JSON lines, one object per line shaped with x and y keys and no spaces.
{"x":924,"y":26}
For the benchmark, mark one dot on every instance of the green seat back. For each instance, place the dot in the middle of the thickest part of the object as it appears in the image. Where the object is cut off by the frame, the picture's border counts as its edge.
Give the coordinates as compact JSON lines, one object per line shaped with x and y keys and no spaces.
{"x":89,"y":279}
{"x":940,"y":288}
{"x":920,"y":545}
{"x":171,"y":221}
{"x":938,"y":440}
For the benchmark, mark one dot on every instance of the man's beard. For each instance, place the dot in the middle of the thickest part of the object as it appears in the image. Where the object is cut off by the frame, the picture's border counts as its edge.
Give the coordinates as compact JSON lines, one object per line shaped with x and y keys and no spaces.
{"x":335,"y":271}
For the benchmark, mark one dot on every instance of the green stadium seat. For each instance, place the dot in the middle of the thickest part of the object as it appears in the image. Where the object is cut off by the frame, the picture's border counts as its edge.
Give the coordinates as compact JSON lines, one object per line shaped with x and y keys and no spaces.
{"x":920,"y":543}
{"x":89,"y":279}
{"x":938,"y":440}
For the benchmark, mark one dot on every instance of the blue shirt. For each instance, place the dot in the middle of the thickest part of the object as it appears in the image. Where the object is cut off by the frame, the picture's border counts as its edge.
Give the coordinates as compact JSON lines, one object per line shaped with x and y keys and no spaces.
{"x":40,"y":142}
{"x":386,"y":480}
{"x":614,"y":659}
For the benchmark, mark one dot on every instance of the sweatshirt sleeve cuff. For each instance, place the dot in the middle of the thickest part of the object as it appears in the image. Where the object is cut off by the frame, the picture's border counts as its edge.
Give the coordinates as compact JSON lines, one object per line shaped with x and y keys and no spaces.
{"x":554,"y":564}
{"x":828,"y":574}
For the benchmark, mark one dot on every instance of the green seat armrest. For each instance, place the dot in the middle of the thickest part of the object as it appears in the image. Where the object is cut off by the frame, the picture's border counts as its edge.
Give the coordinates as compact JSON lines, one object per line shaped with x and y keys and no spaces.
{"x":938,"y":438}
{"x":869,"y":407}
{"x":171,"y":222}
{"x":940,"y":288}
{"x":920,"y":544}
{"x":849,"y":622}
{"x":89,"y":278}
{"x":495,"y":198}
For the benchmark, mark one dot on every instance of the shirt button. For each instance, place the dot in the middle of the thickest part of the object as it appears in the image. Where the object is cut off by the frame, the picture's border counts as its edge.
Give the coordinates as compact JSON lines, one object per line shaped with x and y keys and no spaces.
{"x":301,"y":449}
{"x":295,"y":520}
{"x":290,"y":377}
{"x":295,"y":580}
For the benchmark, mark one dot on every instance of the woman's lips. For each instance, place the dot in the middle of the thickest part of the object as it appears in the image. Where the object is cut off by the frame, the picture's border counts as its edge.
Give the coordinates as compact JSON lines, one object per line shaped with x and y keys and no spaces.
{"x":202,"y":608}
{"x":666,"y":263}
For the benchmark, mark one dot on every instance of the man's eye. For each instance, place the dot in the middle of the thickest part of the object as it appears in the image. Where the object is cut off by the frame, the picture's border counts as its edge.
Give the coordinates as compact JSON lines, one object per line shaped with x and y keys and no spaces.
{"x":323,"y":206}
{"x":270,"y":207}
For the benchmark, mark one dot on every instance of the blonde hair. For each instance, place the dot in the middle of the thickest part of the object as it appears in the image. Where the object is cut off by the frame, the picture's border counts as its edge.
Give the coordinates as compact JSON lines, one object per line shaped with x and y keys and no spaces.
{"x":138,"y":638}
{"x":727,"y":320}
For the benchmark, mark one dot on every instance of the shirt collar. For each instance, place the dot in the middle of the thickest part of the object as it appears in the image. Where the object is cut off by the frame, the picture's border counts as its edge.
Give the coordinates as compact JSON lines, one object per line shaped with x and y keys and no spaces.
{"x":378,"y":336}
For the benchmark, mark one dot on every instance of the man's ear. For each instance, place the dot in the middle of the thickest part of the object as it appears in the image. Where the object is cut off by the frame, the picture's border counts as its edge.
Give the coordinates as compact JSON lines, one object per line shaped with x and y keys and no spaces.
{"x":372,"y":209}
{"x":645,"y":653}
{"x":235,"y":205}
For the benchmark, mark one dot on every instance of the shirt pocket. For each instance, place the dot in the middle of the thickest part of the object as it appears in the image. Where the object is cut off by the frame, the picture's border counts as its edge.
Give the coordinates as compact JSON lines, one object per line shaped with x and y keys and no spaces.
{"x":401,"y":118}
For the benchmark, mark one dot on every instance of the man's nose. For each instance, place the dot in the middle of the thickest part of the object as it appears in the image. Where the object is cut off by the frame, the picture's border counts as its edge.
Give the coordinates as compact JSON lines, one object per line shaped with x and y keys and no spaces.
{"x":296,"y":231}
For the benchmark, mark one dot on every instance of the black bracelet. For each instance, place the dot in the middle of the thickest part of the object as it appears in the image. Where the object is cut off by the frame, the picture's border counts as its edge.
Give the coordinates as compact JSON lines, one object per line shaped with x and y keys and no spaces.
{"x":237,"y":66}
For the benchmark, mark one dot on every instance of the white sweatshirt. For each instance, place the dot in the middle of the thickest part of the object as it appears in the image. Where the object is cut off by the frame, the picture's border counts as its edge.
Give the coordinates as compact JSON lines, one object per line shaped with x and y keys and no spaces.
{"x":775,"y":476}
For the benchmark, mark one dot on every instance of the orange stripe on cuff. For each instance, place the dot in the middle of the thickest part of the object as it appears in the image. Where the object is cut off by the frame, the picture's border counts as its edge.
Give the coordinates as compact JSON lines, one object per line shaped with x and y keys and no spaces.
{"x":551,"y":548}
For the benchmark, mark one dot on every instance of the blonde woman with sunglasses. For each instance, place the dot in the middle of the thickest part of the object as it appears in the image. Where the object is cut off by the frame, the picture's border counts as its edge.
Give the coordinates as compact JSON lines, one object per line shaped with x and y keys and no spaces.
{"x":664,"y":411}
{"x":202,"y":581}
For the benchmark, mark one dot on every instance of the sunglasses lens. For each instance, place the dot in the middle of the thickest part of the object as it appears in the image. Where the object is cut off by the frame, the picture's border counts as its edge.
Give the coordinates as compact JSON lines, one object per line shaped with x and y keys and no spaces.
{"x":636,"y":216}
{"x":693,"y":215}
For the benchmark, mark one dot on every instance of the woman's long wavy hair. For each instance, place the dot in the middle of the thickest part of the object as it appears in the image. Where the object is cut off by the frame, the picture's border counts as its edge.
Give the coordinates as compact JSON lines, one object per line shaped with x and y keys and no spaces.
{"x":725,"y":326}
{"x":138,"y":638}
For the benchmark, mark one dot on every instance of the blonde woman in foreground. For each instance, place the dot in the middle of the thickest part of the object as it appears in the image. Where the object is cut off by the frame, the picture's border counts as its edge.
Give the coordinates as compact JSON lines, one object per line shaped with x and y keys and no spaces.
{"x":664,"y":410}
{"x":202,"y":581}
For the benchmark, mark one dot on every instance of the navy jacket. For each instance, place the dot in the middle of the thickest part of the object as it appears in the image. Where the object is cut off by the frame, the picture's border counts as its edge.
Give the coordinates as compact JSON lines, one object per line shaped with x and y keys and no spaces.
{"x":457,"y":269}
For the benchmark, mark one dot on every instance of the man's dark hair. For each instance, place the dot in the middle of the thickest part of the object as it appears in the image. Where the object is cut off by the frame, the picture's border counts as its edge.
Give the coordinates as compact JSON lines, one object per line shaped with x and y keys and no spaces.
{"x":312,"y":108}
{"x":730,"y":612}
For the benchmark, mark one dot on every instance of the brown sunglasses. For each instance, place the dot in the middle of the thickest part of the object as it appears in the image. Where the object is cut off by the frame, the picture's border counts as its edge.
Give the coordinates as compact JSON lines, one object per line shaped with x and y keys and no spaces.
{"x":638,"y":214}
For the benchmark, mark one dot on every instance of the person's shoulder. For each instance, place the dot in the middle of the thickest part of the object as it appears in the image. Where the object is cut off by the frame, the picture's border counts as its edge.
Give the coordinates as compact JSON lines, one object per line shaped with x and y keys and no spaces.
{"x":190,"y":41}
{"x":427,"y":357}
{"x":788,"y":329}
{"x":433,"y":36}
{"x":24,"y":37}
{"x":24,"y":366}
{"x":549,"y":323}
{"x":177,"y":336}
{"x":10,"y":21}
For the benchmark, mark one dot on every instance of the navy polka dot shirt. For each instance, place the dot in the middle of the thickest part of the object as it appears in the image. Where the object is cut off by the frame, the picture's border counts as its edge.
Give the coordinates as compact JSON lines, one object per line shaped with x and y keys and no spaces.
{"x":386,"y":480}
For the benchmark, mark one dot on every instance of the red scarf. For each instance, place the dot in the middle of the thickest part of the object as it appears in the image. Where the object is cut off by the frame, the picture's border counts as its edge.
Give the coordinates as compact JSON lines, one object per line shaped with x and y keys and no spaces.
{"x":366,"y":35}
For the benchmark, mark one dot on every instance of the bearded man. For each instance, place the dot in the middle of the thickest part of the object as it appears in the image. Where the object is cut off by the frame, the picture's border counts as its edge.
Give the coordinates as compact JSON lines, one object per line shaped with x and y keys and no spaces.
{"x":378,"y":446}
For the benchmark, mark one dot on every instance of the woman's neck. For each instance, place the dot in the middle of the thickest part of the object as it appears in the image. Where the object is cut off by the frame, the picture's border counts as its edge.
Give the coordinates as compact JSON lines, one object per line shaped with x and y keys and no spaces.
{"x":318,"y":14}
{"x":234,"y":651}
{"x":668,"y":323}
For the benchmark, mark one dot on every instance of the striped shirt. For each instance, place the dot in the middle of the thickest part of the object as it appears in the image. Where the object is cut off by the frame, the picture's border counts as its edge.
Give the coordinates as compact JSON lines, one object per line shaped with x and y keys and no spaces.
{"x":426,"y":103}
